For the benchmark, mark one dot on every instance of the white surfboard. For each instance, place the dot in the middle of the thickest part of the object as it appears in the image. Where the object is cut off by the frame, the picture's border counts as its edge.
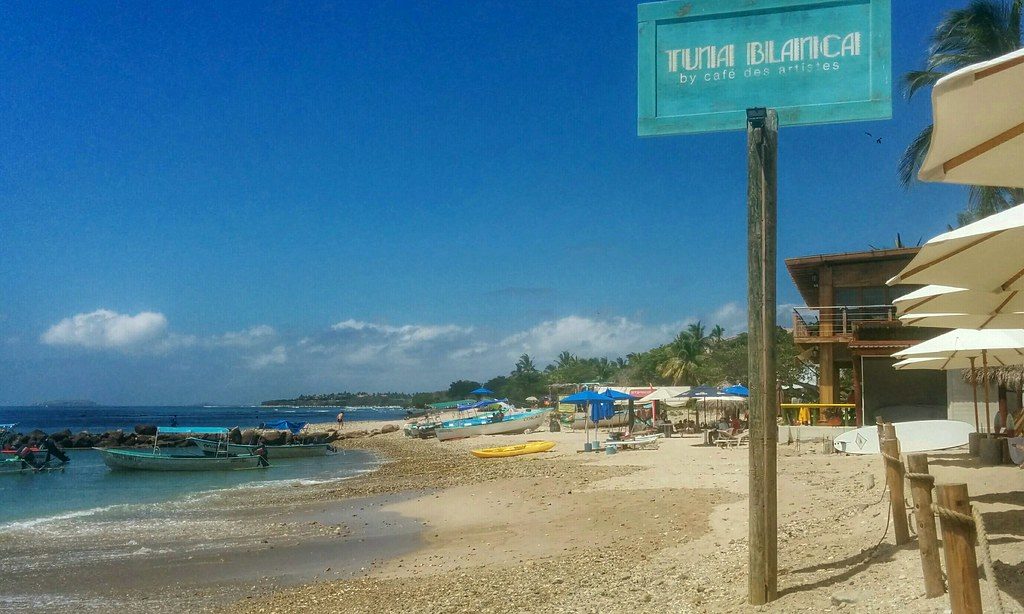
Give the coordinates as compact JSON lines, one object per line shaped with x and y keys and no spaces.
{"x":917,"y":436}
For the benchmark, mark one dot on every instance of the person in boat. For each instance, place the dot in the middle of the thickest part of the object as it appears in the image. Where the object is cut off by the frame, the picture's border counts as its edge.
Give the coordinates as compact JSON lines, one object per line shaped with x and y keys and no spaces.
{"x":53,"y":451}
{"x":28,"y":458}
{"x":498,"y":416}
{"x":261,"y":451}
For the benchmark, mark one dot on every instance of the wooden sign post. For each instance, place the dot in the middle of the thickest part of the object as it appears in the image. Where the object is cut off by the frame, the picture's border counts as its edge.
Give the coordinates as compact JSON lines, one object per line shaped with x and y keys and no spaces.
{"x":701,"y":66}
{"x":762,"y":153}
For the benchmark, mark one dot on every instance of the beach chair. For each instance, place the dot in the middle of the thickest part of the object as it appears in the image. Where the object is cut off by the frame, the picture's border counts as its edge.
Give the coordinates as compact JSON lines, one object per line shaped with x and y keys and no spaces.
{"x":726,"y":439}
{"x":645,"y":442}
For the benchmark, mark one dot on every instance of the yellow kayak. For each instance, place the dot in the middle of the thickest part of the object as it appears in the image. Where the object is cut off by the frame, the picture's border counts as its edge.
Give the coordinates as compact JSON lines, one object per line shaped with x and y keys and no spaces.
{"x":529,"y":447}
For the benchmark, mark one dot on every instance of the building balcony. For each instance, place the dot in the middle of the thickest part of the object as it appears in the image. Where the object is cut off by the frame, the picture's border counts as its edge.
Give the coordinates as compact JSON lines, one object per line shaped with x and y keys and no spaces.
{"x":838,"y":322}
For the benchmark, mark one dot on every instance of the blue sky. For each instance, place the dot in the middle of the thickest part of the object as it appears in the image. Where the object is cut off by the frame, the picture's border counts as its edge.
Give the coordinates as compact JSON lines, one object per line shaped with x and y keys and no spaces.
{"x":235,"y":201}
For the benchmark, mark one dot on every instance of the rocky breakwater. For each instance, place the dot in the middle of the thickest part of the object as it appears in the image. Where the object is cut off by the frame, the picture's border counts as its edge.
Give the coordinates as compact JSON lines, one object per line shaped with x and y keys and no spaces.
{"x":143,"y":435}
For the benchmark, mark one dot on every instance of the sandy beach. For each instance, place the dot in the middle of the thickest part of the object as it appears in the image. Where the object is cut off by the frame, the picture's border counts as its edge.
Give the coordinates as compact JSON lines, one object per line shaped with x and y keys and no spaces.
{"x":434,"y":529}
{"x":644,"y":531}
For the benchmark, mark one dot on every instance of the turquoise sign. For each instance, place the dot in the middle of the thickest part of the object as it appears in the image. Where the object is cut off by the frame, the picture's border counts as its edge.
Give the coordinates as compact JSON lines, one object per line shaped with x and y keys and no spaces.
{"x":702,"y":63}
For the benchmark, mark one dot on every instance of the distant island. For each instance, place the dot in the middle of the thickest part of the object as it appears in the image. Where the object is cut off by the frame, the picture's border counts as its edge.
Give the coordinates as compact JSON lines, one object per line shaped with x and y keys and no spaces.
{"x":67,"y":403}
{"x":344,"y":399}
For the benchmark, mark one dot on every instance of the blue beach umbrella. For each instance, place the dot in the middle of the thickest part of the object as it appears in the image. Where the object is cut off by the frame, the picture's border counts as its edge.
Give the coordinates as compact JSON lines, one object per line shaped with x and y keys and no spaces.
{"x":737,"y":391}
{"x":616,"y":395}
{"x":482,"y":390}
{"x":601,"y":406}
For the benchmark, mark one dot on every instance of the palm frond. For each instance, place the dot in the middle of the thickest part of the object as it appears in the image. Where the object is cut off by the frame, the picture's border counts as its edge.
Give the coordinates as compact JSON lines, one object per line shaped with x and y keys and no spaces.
{"x":917,"y":79}
{"x":913,"y":157}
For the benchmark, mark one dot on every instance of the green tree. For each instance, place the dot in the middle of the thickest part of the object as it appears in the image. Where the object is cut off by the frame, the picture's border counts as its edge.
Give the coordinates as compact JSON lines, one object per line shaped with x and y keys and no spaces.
{"x":983,"y":30}
{"x":461,"y":389}
{"x":683,"y":356}
{"x":525,"y":365}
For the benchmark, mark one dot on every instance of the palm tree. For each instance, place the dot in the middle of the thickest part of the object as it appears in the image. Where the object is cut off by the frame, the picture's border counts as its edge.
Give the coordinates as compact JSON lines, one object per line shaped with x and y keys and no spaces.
{"x":984,"y":30}
{"x":717,"y":335}
{"x":684,"y":355}
{"x":565,"y":359}
{"x":525,"y":364}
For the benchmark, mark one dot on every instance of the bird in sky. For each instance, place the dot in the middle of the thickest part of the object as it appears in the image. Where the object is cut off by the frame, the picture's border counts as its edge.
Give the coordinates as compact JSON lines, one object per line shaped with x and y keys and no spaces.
{"x":877,"y":139}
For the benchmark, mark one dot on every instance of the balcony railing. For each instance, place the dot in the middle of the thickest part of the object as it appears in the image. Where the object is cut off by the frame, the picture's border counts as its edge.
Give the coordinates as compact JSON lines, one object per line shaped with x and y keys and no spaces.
{"x":837,"y":320}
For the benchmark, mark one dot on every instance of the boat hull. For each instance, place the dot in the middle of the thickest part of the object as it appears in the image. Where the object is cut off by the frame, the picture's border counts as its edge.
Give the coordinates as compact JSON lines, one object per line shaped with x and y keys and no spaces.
{"x":284,"y":451}
{"x":581,"y":423}
{"x":530,"y":447}
{"x":509,"y":426}
{"x":10,"y":466}
{"x":148,"y":461}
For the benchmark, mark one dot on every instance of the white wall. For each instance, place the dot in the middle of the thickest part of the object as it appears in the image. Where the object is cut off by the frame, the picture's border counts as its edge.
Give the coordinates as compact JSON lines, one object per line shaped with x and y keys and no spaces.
{"x":961,"y":398}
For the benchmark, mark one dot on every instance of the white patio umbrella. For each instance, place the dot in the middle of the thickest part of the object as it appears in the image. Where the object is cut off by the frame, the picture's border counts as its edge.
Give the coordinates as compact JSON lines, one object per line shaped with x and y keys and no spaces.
{"x":962,"y":348}
{"x":947,"y":299}
{"x":986,"y":255}
{"x":979,"y":123}
{"x":977,"y":321}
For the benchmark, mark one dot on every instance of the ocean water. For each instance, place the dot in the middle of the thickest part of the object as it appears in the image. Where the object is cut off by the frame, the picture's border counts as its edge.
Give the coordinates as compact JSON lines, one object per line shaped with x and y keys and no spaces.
{"x":88,"y":492}
{"x":100,"y":419}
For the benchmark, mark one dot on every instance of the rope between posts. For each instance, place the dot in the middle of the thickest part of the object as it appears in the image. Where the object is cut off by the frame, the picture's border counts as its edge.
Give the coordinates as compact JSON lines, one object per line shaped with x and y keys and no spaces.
{"x":975,"y":521}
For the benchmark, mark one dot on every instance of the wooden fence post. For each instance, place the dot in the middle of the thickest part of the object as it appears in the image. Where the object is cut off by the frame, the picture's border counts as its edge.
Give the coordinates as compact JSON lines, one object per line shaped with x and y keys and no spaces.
{"x":958,"y":546}
{"x":894,"y":477}
{"x":921,"y":483}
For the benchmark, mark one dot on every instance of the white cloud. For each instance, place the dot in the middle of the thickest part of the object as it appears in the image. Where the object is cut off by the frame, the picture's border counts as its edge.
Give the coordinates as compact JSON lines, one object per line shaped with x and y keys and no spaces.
{"x":106,"y":329}
{"x":245,"y":338}
{"x":277,"y":356}
{"x":409,"y":334}
{"x":730,"y":316}
{"x":585,"y":336}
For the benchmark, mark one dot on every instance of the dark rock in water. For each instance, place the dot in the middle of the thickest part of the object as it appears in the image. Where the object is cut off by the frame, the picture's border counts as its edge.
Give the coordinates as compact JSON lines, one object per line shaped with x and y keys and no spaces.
{"x":85,"y":439}
{"x":273,"y":438}
{"x":60,"y":436}
{"x":389,"y":428}
{"x":143,"y":440}
{"x":145,"y":429}
{"x":111,"y":439}
{"x":334,"y":435}
{"x":130,"y":439}
{"x":235,"y":435}
{"x":36,"y":435}
{"x":288,"y":438}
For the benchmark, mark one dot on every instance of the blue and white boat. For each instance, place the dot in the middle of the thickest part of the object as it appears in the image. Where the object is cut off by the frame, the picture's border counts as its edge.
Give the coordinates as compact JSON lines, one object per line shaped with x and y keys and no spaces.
{"x":496,"y":423}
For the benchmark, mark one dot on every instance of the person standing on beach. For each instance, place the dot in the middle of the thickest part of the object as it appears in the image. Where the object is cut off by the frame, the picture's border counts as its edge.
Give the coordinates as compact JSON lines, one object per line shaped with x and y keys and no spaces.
{"x":341,"y":419}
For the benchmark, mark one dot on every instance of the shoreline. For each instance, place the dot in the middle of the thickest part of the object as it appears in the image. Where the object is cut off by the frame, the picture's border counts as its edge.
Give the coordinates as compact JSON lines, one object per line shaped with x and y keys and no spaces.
{"x":639,"y":531}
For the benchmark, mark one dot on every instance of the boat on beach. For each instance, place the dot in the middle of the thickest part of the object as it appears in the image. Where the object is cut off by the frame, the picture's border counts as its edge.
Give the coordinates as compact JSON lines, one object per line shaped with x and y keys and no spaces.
{"x":582,"y":421}
{"x":212,"y":447}
{"x":155,"y":460}
{"x":494,"y":424}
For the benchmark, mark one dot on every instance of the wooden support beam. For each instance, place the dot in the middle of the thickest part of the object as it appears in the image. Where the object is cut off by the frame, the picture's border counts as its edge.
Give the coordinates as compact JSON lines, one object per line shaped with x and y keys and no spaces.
{"x":927,"y":536}
{"x":958,"y":547}
{"x":894,"y":471}
{"x":762,"y":151}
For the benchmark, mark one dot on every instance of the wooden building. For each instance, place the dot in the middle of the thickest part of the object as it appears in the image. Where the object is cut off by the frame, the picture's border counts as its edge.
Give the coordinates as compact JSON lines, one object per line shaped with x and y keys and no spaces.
{"x":849,"y":327}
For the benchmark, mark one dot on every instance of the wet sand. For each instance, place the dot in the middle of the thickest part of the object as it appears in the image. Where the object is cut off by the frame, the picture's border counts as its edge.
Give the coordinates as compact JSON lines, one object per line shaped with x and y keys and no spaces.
{"x":273,"y":547}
